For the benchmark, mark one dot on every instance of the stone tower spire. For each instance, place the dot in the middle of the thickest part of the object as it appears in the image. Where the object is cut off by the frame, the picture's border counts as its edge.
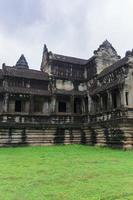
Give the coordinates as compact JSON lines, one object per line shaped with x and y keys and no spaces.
{"x":105,"y":55}
{"x":45,"y":57}
{"x":22,"y":63}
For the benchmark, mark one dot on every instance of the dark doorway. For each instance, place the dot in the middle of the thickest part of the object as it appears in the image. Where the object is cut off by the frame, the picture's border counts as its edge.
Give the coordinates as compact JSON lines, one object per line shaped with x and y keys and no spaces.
{"x":105,"y":101}
{"x":62,"y":106}
{"x":126,"y":98}
{"x":86,"y":105}
{"x":59,"y":136}
{"x":77,"y":106}
{"x":38,"y":104}
{"x":18,"y":106}
{"x":96,"y":103}
{"x":114,"y":98}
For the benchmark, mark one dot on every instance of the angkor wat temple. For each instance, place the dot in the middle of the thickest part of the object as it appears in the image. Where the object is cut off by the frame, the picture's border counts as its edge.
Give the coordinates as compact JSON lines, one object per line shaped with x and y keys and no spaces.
{"x":70,"y":100}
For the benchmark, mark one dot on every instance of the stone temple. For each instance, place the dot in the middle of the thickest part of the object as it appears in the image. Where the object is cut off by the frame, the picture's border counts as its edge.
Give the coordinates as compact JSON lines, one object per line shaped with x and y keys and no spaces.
{"x":69,"y":100}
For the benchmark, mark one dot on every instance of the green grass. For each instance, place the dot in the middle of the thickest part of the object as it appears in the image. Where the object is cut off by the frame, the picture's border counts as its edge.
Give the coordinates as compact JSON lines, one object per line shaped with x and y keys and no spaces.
{"x":72,"y":172}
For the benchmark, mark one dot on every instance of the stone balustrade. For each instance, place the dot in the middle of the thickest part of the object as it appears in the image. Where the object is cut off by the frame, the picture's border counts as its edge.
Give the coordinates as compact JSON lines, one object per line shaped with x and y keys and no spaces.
{"x":110,"y":115}
{"x":45,"y":119}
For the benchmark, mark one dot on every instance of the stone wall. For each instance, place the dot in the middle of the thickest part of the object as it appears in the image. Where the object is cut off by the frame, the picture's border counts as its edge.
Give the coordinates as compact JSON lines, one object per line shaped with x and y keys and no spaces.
{"x":116,"y":134}
{"x":42,"y":135}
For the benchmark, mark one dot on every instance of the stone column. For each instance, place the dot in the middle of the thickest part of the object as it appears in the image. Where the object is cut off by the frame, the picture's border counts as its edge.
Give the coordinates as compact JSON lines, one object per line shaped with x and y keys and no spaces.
{"x":123,"y":98}
{"x":44,"y":107}
{"x":86,"y":105}
{"x":72,"y":108}
{"x":101,"y":102}
{"x":53,"y":104}
{"x":5,"y":102}
{"x":11,"y":106}
{"x":31,"y":110}
{"x":27,"y":106}
{"x":119,"y":98}
{"x":72,"y":104}
{"x":109,"y":106}
{"x":83,"y":105}
{"x":89,"y":104}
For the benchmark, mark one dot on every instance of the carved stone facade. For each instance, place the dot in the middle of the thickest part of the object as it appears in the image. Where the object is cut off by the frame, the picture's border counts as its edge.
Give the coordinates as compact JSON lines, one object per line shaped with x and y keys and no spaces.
{"x":70,"y":100}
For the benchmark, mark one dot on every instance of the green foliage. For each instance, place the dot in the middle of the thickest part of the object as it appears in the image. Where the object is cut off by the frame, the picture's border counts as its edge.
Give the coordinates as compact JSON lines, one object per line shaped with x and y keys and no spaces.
{"x":72,"y":172}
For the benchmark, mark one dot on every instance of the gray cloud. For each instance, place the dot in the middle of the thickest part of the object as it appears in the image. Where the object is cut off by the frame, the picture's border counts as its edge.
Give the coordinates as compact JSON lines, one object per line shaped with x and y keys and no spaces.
{"x":14,"y":13}
{"x":69,"y":27}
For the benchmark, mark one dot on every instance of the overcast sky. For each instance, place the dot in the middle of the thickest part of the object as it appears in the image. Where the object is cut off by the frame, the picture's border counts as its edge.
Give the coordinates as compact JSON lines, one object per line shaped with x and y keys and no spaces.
{"x":70,"y":27}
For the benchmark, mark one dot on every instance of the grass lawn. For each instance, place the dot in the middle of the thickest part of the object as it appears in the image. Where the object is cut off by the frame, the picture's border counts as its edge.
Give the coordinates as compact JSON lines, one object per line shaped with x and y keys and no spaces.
{"x":72,"y":172}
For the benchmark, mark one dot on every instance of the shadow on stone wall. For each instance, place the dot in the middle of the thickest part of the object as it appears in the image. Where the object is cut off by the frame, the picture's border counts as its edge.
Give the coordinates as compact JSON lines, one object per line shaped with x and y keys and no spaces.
{"x":83,"y":137}
{"x":59,"y":136}
{"x":15,"y":139}
{"x":93,"y":137}
{"x":106,"y":135}
{"x":23,"y":136}
{"x":114,"y":137}
{"x":10,"y":135}
{"x":71,"y":136}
